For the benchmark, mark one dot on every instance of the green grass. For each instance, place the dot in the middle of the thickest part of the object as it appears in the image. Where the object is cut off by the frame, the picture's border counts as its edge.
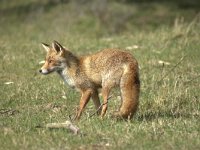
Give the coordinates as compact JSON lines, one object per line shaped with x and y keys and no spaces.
{"x":169,"y":110}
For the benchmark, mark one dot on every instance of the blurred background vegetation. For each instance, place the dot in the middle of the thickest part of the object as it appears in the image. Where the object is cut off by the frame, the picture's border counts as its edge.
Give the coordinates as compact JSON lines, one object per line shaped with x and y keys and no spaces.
{"x":97,"y":17}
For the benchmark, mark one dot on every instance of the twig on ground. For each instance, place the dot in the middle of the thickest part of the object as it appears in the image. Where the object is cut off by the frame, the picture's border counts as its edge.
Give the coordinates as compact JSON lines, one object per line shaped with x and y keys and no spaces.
{"x":100,"y":107}
{"x":172,"y":69}
{"x":193,"y":79}
{"x":67,"y":125}
{"x":8,"y":112}
{"x":72,"y":119}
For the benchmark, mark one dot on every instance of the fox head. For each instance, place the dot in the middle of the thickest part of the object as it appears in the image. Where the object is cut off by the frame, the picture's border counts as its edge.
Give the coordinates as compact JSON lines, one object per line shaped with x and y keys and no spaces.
{"x":55,"y":58}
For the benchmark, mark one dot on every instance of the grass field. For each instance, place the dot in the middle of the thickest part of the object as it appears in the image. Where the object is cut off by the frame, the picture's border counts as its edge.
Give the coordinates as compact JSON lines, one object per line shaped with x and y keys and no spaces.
{"x":163,"y":36}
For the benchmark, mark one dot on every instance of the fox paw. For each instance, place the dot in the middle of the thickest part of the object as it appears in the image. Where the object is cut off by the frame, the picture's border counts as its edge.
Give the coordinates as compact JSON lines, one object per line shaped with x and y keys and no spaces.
{"x":117,"y":115}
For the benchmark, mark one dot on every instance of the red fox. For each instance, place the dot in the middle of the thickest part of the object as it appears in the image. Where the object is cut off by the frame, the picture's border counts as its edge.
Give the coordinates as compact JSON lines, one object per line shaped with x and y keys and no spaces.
{"x":104,"y":70}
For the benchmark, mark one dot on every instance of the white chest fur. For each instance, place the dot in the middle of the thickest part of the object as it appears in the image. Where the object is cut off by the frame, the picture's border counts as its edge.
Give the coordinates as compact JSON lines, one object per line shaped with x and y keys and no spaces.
{"x":67,"y":78}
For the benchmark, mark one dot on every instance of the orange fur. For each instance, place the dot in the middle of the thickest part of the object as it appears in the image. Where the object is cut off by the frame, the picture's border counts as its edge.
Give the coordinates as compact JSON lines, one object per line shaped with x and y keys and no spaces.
{"x":106,"y":69}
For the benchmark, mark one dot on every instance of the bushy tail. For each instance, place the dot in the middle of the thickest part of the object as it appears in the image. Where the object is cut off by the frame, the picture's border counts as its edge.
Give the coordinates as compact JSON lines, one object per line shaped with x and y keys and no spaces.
{"x":130,"y":90}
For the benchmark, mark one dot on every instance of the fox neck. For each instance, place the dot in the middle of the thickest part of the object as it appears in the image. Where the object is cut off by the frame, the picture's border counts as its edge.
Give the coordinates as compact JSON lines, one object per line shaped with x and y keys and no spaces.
{"x":69,"y":71}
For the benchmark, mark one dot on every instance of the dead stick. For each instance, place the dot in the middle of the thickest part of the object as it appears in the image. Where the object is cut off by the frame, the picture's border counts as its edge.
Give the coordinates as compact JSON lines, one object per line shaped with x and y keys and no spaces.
{"x":67,"y":125}
{"x":93,"y":112}
{"x":99,"y":107}
{"x":172,"y":69}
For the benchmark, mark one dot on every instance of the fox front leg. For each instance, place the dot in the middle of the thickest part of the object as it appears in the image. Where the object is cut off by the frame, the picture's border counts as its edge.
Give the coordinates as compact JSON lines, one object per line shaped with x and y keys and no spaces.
{"x":85,"y":97}
{"x":96,"y":101}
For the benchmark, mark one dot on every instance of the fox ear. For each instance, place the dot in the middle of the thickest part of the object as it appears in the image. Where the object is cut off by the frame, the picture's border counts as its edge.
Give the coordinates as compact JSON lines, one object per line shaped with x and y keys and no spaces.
{"x":46,"y":46}
{"x":56,"y":46}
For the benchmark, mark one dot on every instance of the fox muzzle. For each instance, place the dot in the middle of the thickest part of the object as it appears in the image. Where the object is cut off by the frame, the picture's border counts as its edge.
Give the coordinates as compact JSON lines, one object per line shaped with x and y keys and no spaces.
{"x":44,"y":71}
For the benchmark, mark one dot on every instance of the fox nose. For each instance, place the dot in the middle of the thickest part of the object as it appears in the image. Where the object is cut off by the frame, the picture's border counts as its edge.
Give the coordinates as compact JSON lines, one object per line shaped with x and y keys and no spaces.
{"x":40,"y":71}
